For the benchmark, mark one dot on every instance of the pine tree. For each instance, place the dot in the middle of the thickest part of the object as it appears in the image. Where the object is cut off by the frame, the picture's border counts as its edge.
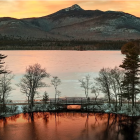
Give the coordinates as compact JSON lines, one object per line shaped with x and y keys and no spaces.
{"x":1,"y":63}
{"x":131,"y":80}
{"x":45,"y":97}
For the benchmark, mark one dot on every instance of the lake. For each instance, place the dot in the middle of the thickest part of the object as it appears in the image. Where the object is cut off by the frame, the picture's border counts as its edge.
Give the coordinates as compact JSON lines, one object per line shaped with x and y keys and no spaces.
{"x":69,"y":126}
{"x":69,"y":66}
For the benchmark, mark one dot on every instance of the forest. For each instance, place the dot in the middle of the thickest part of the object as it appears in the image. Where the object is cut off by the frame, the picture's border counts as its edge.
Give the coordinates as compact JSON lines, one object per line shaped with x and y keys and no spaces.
{"x":12,"y":43}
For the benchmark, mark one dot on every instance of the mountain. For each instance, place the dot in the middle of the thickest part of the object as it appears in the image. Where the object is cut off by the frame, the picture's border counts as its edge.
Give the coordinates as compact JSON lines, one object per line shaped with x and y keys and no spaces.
{"x":74,"y":23}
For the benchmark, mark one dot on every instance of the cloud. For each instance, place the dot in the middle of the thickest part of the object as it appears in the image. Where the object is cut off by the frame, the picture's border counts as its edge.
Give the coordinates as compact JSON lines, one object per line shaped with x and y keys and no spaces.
{"x":38,"y":8}
{"x":75,"y":0}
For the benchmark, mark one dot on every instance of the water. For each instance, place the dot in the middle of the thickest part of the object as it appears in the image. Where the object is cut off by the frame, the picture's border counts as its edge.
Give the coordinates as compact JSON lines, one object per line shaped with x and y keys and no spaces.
{"x":69,"y":126}
{"x":69,"y":66}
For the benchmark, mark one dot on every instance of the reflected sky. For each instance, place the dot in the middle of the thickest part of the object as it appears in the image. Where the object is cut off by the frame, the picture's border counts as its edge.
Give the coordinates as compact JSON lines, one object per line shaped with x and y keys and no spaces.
{"x":69,"y":66}
{"x":69,"y":126}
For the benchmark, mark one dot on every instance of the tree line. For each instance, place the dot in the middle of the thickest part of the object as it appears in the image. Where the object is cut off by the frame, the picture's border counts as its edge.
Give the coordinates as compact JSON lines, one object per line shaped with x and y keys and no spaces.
{"x":120,"y":83}
{"x":11,"y":43}
{"x":29,"y":84}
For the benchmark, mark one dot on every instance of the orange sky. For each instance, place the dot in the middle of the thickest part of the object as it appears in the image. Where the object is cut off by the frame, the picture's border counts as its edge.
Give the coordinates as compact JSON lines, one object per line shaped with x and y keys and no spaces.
{"x":38,"y":8}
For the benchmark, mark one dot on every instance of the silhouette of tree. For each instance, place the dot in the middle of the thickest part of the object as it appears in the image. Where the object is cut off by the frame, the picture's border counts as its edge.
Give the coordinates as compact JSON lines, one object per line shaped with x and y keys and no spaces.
{"x":56,"y":82}
{"x":131,"y":81}
{"x":86,"y":84}
{"x":125,"y":48}
{"x":1,"y":63}
{"x":116,"y":77}
{"x":45,"y":97}
{"x":32,"y":81}
{"x":6,"y":87}
{"x":104,"y":83}
{"x":109,"y":82}
{"x":96,"y":92}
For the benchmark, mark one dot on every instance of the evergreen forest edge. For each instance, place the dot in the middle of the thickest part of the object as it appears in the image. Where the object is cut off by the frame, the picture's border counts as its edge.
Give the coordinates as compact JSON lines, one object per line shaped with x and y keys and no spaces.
{"x":11,"y":43}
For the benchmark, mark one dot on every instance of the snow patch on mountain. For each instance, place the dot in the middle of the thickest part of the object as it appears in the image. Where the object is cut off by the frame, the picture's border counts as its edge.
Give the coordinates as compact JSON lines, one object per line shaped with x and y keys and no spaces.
{"x":73,"y":7}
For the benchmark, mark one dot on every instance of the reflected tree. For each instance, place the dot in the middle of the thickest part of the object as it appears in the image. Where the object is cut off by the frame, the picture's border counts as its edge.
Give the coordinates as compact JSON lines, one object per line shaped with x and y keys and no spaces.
{"x":128,"y":127}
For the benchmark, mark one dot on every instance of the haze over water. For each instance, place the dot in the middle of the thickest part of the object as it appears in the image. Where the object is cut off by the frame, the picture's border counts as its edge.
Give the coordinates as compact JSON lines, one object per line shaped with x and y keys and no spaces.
{"x":69,"y":66}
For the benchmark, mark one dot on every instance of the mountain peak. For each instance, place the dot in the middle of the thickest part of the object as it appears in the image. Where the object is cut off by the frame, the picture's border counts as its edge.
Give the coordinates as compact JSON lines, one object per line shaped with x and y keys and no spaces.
{"x":73,"y":7}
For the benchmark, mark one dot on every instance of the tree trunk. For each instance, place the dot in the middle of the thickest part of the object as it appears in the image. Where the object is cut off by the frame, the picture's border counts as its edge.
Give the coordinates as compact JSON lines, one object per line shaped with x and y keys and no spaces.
{"x":28,"y":100}
{"x":133,"y":92}
{"x":3,"y":102}
{"x":121,"y":100}
{"x":32,"y":102}
{"x":116,"y":104}
{"x":86,"y":94}
{"x":55,"y":94}
{"x":28,"y":103}
{"x":108,"y":93}
{"x":135,"y":100}
{"x":133,"y":89}
{"x":108,"y":97}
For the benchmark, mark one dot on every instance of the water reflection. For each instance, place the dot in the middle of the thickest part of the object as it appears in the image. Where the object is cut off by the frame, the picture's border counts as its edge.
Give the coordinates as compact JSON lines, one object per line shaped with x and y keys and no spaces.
{"x":69,"y":126}
{"x":4,"y":121}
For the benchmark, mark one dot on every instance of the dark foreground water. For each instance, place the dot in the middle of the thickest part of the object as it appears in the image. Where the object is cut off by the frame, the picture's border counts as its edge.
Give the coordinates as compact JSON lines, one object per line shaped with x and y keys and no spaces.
{"x":69,"y":126}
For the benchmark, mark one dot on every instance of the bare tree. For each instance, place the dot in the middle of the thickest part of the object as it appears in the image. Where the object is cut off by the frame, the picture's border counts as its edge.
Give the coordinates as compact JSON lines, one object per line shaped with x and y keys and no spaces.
{"x":32,"y":81}
{"x":56,"y":82}
{"x":116,"y":77}
{"x":96,"y":92}
{"x":1,"y":67}
{"x":5,"y":88}
{"x":86,"y":84}
{"x":109,"y":82}
{"x":58,"y":94}
{"x":103,"y":82}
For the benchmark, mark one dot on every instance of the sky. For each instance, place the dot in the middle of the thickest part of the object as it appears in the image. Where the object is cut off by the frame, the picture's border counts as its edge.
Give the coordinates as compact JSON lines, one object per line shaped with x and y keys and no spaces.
{"x":38,"y":8}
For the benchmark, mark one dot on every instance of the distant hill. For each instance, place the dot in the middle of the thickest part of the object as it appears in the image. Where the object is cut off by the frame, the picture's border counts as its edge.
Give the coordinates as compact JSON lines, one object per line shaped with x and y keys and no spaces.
{"x":74,"y":23}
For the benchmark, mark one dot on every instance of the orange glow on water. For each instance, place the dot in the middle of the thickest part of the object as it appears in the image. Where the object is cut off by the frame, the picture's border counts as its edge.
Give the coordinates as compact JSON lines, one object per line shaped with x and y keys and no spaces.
{"x":64,"y":126}
{"x":73,"y":107}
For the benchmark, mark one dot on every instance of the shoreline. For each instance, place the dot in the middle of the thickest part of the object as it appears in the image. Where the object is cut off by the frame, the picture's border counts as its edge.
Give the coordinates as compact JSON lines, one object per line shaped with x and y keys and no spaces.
{"x":67,"y":110}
